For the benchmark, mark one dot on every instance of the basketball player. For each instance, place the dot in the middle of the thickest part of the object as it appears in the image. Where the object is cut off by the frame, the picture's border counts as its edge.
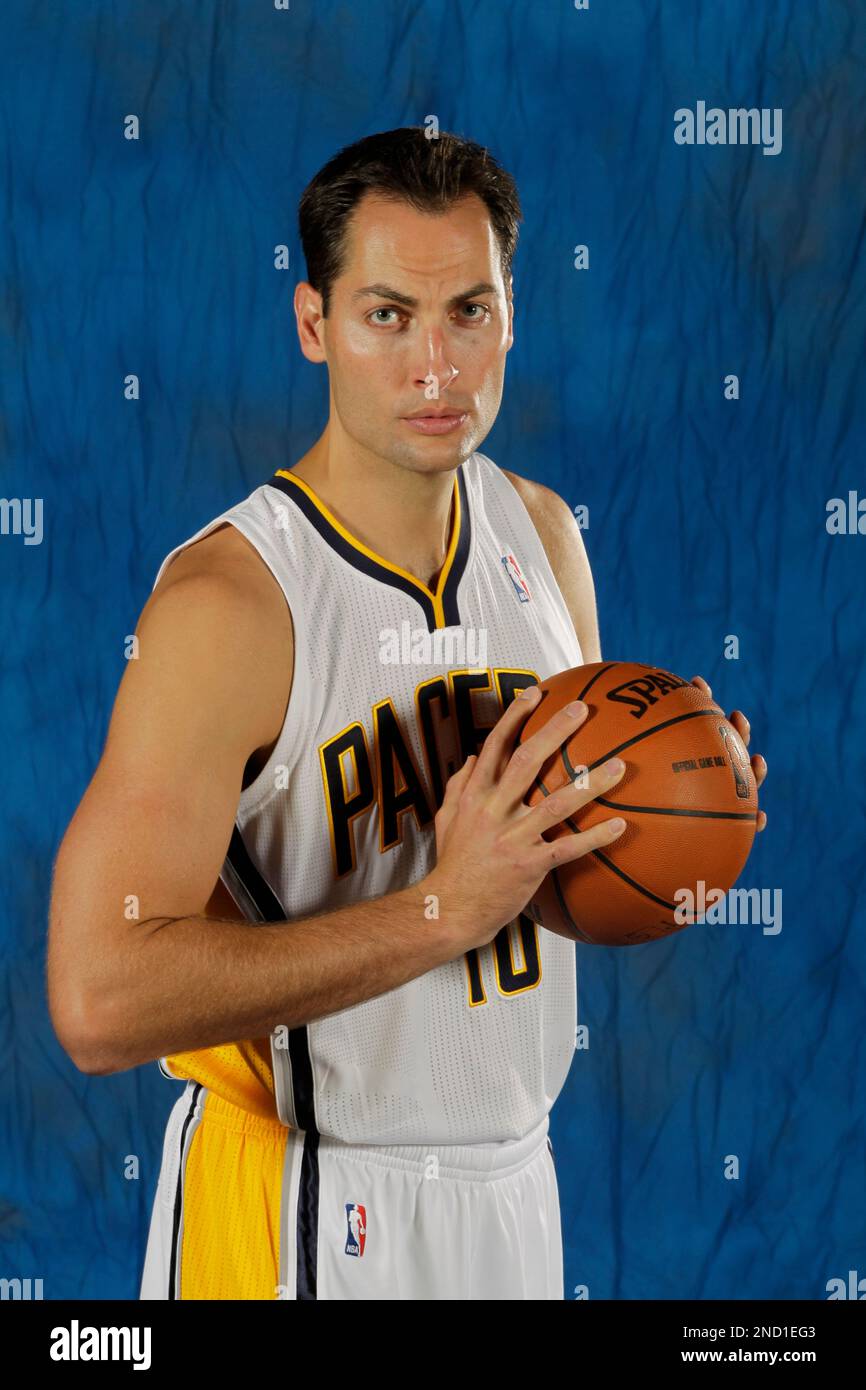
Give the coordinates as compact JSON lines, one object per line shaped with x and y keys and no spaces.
{"x":298,"y":874}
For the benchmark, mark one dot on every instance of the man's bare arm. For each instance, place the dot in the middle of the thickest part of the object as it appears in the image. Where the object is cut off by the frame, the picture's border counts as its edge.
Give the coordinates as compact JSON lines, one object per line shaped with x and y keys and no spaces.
{"x":563,"y":544}
{"x":135,"y":970}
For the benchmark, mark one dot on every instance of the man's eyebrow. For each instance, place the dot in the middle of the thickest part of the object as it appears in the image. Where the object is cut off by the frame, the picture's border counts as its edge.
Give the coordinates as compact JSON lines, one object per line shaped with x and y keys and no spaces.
{"x":386,"y":292}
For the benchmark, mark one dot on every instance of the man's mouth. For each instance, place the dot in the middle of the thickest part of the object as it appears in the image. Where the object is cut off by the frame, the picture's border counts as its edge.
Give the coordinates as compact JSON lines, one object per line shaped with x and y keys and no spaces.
{"x":436,"y":421}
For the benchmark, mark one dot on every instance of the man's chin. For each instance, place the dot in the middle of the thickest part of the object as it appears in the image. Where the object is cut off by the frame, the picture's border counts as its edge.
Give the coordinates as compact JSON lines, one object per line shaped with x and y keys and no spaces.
{"x":429,"y":454}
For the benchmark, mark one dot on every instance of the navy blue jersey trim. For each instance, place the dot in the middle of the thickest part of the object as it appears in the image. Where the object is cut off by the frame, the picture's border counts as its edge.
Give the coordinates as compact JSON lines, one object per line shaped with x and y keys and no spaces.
{"x":367,"y":564}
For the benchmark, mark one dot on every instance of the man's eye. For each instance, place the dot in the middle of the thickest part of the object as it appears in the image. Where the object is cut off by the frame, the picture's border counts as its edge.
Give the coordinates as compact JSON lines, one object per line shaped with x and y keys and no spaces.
{"x":383,"y":311}
{"x":476,"y":313}
{"x":483,"y":313}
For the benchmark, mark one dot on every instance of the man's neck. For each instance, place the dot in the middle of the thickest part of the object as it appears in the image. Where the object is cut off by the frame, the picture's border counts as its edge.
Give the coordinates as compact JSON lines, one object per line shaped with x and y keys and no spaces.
{"x":404,"y":516}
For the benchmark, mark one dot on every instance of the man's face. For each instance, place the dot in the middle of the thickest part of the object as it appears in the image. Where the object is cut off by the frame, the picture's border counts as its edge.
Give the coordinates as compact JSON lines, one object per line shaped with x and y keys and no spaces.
{"x":419,"y":322}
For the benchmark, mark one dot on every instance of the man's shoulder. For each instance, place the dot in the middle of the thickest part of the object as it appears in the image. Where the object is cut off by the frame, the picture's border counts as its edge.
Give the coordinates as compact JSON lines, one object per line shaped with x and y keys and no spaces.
{"x":224,"y":550}
{"x":218,"y":604}
{"x":564,"y":547}
{"x":222,"y":579}
{"x":225,"y":563}
{"x":551,"y":515}
{"x":535,"y":493}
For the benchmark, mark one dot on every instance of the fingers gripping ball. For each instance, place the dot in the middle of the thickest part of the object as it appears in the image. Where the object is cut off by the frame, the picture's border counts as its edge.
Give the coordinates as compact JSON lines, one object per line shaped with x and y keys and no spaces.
{"x":688,"y":797}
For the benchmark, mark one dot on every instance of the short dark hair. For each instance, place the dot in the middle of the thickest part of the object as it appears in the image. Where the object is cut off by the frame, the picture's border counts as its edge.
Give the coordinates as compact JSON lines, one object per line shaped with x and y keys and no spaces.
{"x":406,"y":166}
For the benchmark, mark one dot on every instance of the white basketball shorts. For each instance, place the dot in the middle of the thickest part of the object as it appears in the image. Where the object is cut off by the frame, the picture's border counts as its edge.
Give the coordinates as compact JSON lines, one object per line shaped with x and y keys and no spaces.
{"x":319,"y":1219}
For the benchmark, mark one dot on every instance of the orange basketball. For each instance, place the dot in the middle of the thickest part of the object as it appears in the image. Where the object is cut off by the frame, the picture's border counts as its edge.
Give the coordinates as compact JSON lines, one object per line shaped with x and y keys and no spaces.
{"x":688,"y":797}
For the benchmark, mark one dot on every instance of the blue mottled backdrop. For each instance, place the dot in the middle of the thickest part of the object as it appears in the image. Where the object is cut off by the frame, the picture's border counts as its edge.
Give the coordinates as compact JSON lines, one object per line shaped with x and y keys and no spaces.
{"x":707,"y":517}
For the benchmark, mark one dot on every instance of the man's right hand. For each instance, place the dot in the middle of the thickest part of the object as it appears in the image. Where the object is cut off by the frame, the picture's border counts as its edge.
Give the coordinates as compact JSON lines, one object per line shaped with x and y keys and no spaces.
{"x":490,"y":848}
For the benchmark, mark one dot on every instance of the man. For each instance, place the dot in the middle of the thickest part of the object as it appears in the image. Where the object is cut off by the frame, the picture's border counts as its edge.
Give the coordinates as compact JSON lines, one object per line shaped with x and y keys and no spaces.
{"x":295,"y":838}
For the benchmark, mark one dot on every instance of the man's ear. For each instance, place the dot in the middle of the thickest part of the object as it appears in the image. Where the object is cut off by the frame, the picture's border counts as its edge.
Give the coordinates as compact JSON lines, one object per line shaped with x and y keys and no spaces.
{"x":310,"y":321}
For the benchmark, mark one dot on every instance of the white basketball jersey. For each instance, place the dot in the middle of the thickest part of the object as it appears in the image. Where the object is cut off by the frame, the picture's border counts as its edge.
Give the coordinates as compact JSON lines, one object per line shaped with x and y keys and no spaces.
{"x":394,"y":687}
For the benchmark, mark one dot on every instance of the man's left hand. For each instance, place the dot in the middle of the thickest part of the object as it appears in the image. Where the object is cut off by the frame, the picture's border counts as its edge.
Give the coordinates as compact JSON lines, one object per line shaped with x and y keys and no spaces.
{"x":744,"y":729}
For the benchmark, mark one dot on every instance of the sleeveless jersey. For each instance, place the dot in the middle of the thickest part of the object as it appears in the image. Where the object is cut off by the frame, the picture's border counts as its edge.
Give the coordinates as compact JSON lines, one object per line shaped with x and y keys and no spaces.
{"x":394,"y":686}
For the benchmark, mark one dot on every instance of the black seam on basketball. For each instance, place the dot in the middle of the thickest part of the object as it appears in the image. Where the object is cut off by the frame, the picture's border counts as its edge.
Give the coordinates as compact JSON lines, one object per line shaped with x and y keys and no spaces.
{"x":677,"y":811}
{"x":649,"y":810}
{"x":603,"y":859}
{"x":638,"y":738}
{"x":564,"y":909}
{"x":560,"y":896}
{"x":597,"y":677}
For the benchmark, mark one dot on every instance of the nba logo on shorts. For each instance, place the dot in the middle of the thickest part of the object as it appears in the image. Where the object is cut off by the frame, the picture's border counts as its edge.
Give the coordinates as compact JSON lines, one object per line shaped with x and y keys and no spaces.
{"x":512,"y":569}
{"x":356,"y":1232}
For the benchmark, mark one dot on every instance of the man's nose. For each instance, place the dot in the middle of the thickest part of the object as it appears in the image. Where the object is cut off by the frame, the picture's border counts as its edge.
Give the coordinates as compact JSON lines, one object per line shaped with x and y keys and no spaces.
{"x":435,"y":364}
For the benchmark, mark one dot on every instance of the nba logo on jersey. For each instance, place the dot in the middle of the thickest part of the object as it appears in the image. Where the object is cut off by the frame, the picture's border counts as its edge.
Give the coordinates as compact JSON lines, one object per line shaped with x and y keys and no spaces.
{"x":356,"y":1232}
{"x":512,"y":569}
